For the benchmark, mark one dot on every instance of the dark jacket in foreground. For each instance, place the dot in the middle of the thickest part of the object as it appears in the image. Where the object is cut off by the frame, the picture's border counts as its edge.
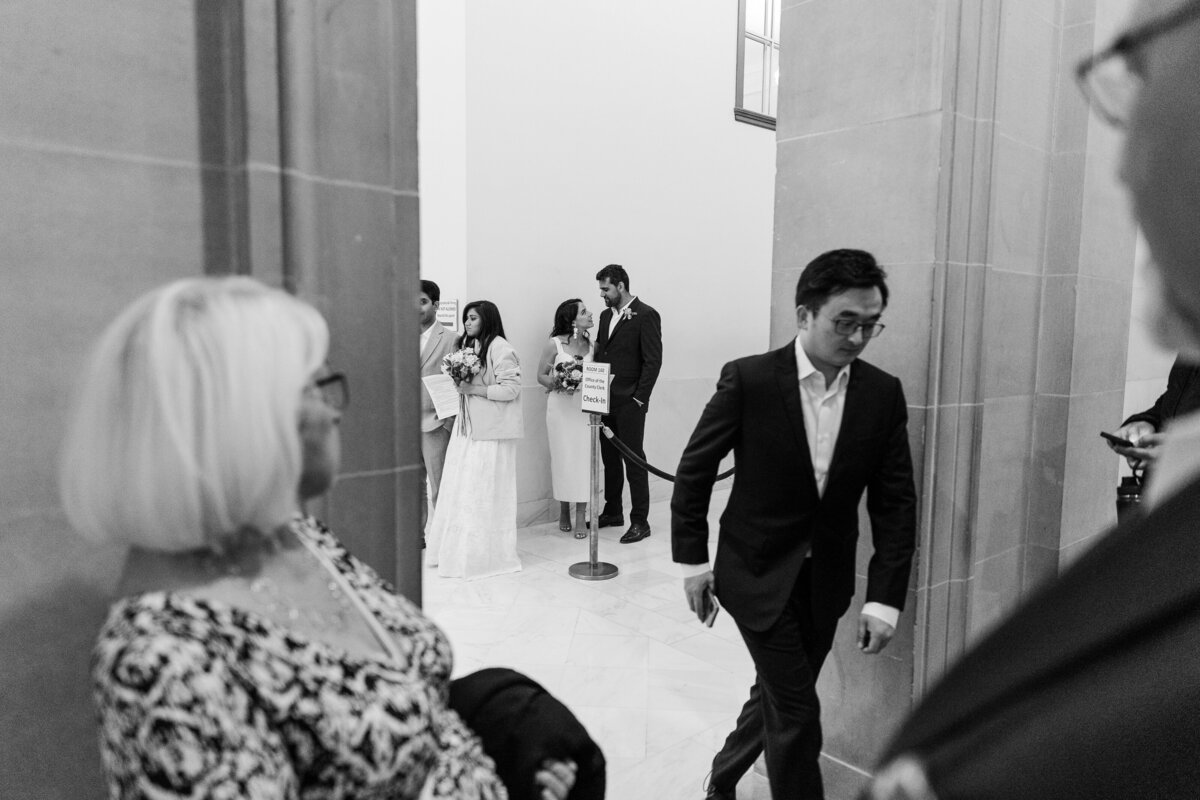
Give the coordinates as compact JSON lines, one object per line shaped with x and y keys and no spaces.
{"x":1091,"y":689}
{"x":521,"y":725}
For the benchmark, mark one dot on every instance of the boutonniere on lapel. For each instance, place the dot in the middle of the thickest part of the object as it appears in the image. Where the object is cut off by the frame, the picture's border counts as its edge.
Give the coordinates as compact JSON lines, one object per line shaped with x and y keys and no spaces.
{"x":628,"y":313}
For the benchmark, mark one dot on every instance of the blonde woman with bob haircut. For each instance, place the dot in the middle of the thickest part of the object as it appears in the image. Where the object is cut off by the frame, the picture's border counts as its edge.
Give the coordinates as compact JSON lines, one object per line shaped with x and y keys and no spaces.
{"x":252,"y":655}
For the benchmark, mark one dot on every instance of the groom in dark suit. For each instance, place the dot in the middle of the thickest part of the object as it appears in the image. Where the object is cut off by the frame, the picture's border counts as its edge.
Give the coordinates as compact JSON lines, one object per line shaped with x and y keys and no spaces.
{"x":630,"y":339}
{"x":811,"y":427}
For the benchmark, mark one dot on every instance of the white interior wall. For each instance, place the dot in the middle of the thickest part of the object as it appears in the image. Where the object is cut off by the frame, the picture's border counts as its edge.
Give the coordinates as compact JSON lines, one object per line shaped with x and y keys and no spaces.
{"x":601,"y":133}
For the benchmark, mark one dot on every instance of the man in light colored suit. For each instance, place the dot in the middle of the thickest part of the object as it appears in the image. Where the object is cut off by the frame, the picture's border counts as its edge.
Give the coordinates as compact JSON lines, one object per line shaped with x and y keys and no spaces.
{"x":436,"y":342}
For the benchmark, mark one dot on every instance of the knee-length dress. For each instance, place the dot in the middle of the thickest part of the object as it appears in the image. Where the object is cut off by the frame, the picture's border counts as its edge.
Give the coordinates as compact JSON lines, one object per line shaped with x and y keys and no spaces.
{"x":570,"y":439}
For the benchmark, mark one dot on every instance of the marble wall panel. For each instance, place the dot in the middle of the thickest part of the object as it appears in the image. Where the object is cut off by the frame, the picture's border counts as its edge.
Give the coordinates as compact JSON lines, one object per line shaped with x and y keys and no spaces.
{"x":1046,"y":469}
{"x":1108,"y":234}
{"x":132,"y":227}
{"x":85,"y":74}
{"x":1064,"y":214}
{"x":356,"y":263}
{"x":1078,"y":11}
{"x":995,"y":590}
{"x":1003,"y":476}
{"x":1056,"y":339}
{"x":1010,"y":323}
{"x":362,"y":511}
{"x":961,"y":330}
{"x":1026,"y":75}
{"x":947,"y":553}
{"x":354,"y":48}
{"x":875,"y":186}
{"x":262,"y":82}
{"x":864,"y":698}
{"x":1071,"y":107}
{"x":903,"y":349}
{"x":1018,"y":207}
{"x":887,"y":56}
{"x":969,"y":192}
{"x":1090,"y":471}
{"x":1101,"y":336}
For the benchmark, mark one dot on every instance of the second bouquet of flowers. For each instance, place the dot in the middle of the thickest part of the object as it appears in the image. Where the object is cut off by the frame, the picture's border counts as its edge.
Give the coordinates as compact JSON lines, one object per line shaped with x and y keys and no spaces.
{"x":461,"y":365}
{"x":568,"y":375}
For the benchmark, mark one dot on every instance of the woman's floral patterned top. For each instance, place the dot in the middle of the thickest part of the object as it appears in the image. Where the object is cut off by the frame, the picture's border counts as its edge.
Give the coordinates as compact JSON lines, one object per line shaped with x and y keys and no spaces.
{"x":201,"y":700}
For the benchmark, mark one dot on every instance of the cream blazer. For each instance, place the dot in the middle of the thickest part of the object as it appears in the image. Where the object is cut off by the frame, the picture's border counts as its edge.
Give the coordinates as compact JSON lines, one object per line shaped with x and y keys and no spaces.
{"x":499,"y":415}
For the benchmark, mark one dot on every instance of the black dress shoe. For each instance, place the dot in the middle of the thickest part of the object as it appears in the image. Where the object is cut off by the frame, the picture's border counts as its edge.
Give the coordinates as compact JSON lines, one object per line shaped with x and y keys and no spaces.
{"x":611,"y":520}
{"x":637,"y":531}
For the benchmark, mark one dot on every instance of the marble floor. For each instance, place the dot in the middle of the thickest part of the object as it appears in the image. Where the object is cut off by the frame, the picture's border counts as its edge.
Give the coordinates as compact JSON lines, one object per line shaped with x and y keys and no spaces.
{"x":654,"y":687}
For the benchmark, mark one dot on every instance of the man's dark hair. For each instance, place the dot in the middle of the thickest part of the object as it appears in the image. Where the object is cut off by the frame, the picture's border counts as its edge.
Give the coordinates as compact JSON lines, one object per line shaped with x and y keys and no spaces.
{"x":615,"y":274}
{"x":431,"y":290}
{"x":564,"y":317}
{"x":836,"y":271}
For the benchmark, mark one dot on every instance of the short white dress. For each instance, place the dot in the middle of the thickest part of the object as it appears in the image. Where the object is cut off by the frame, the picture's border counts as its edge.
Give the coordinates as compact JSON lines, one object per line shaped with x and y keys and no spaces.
{"x":570,"y":440}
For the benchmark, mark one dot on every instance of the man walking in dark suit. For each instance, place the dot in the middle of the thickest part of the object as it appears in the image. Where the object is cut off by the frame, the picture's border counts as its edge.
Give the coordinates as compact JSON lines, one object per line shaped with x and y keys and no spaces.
{"x":630,"y":339}
{"x":811,"y":427}
{"x":1091,"y":688}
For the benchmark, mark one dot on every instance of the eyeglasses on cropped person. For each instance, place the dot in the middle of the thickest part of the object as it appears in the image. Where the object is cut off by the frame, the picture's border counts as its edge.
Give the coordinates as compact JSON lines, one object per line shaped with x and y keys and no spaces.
{"x":1112,"y":78}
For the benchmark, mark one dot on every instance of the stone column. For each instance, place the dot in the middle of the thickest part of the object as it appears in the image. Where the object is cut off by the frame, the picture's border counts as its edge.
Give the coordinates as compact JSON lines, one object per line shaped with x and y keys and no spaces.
{"x":948,"y":139}
{"x":148,"y":140}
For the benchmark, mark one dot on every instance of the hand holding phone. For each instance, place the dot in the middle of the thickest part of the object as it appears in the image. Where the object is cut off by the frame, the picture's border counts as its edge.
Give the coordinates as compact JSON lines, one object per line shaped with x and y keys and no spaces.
{"x":1117,"y":440}
{"x":711,"y":607}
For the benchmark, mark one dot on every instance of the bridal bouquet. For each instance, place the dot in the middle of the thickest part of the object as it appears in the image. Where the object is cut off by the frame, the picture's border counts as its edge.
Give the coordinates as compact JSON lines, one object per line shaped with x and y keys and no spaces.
{"x":568,"y":375}
{"x":461,"y":365}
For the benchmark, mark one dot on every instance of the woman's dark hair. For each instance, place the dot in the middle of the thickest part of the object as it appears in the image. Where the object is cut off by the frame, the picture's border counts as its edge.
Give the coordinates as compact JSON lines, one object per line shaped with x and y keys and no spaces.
{"x":836,"y":271}
{"x":489,"y":328}
{"x":614,"y":274}
{"x":565,"y":316}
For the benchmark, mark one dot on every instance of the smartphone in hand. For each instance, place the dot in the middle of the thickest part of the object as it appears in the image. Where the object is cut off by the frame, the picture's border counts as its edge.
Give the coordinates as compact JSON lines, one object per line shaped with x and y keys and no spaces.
{"x":1117,"y":440}
{"x":709,"y":609}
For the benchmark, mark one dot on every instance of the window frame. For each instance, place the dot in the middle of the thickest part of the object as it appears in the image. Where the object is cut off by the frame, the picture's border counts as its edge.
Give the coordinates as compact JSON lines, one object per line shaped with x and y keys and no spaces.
{"x":740,"y":113}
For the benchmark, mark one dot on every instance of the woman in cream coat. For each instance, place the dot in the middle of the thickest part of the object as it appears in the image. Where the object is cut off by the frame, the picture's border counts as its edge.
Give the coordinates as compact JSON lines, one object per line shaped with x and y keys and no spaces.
{"x":473,"y":533}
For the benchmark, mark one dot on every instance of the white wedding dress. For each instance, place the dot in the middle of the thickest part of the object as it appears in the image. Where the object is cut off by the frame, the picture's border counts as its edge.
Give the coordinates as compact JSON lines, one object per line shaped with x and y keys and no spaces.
{"x":473,"y":532}
{"x":570,"y":440}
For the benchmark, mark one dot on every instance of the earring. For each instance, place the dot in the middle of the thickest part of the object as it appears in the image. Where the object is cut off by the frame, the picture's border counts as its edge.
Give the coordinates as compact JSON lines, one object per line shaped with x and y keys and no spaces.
{"x":575,"y":331}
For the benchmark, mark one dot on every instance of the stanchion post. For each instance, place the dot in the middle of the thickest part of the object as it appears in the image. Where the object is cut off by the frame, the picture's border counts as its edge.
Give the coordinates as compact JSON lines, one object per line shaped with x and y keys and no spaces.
{"x":593,"y":569}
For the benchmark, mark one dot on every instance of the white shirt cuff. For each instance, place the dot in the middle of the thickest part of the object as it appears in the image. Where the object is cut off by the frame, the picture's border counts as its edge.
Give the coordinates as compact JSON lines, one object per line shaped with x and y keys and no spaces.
{"x":692,"y":570}
{"x":881,"y":612}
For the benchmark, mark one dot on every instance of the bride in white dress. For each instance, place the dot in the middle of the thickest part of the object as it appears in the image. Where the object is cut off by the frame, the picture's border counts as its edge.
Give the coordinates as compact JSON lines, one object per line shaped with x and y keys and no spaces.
{"x":473,"y":533}
{"x":566,"y":424}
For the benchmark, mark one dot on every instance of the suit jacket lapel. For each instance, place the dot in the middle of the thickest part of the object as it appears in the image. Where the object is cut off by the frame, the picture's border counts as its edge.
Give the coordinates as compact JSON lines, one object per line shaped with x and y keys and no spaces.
{"x":434,"y":342}
{"x":602,"y":334}
{"x":788,"y":378}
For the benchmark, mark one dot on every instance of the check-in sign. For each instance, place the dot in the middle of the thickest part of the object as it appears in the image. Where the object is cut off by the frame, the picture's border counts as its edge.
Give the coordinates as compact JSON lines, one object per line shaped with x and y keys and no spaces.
{"x":595,"y":388}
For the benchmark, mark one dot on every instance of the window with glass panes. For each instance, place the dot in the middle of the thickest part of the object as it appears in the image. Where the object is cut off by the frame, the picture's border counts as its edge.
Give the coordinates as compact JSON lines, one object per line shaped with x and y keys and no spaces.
{"x":758,"y":62}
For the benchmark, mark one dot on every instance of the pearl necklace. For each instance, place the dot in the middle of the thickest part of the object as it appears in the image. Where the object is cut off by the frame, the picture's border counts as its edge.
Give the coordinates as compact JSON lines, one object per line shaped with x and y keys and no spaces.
{"x":243,"y":555}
